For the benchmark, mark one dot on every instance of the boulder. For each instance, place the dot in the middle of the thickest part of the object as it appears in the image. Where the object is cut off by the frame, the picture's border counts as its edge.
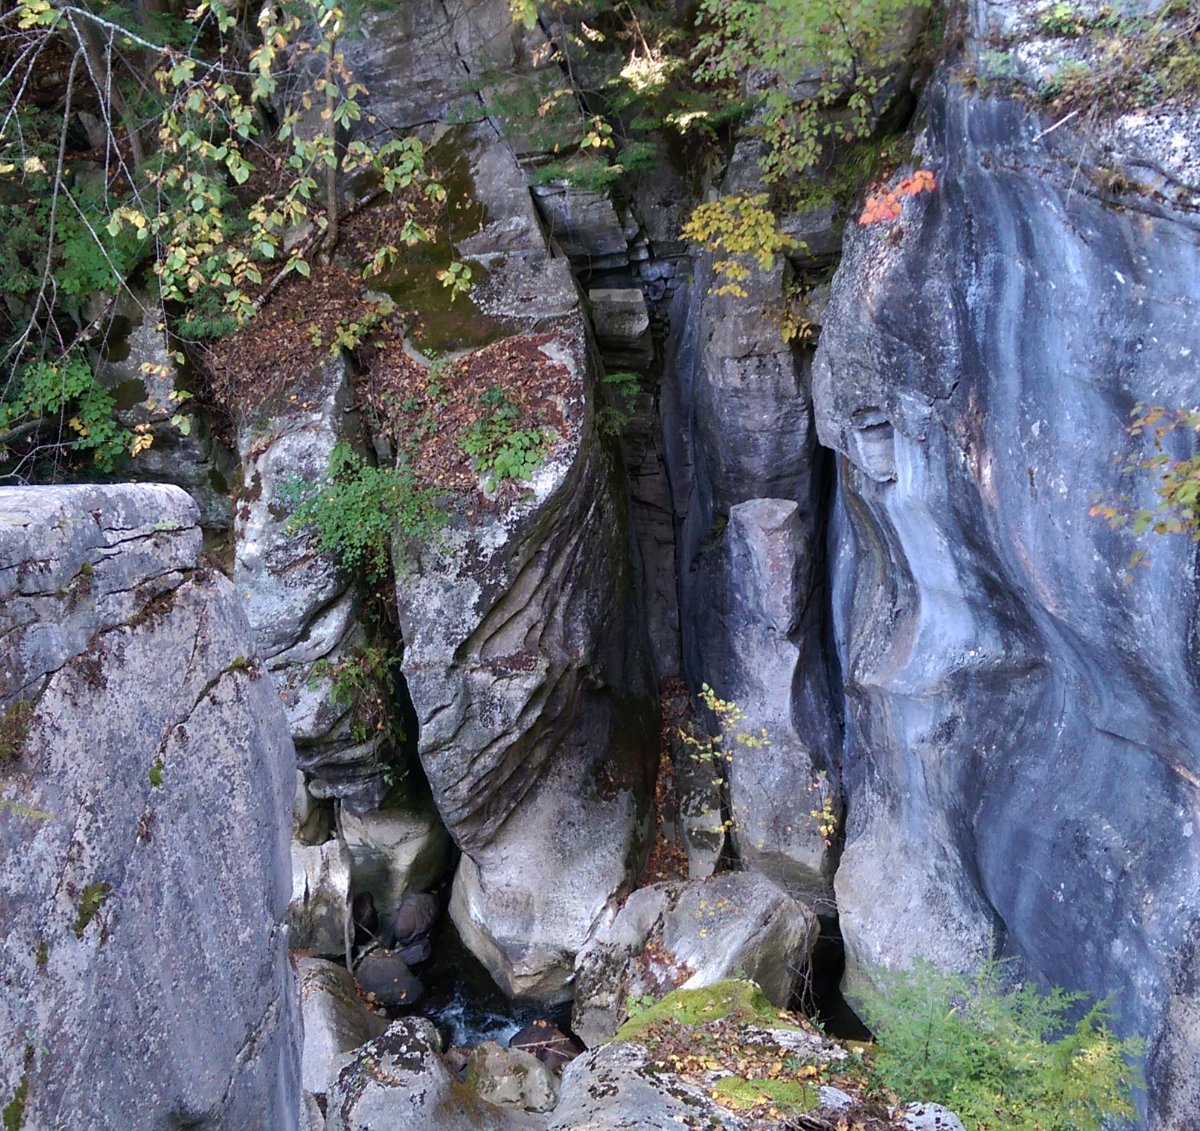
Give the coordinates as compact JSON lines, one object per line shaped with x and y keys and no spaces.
{"x":684,"y":935}
{"x":146,"y":787}
{"x":1022,"y":748}
{"x":617,"y":1087}
{"x":385,"y":977}
{"x":414,"y":918}
{"x":546,"y":1041}
{"x":336,"y":1021}
{"x":511,"y":1076}
{"x":398,"y":1082}
{"x":621,"y":323}
{"x":396,"y":850}
{"x":320,"y":897}
{"x":931,"y":1117}
{"x":584,"y":224}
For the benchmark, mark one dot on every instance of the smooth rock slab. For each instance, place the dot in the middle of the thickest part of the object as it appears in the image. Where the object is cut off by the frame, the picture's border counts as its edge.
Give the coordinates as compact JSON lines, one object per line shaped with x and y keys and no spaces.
{"x":336,"y":1021}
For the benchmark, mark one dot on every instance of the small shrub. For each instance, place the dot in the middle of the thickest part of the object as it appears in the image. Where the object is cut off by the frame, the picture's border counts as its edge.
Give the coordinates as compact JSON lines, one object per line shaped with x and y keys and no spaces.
{"x":740,"y":229}
{"x":1001,"y":1059}
{"x":498,"y":447}
{"x":359,"y":509}
{"x":358,"y":684}
{"x":624,"y":389}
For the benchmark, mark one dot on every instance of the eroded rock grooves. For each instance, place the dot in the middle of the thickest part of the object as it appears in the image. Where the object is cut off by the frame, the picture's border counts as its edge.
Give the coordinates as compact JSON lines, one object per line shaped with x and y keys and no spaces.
{"x":873,"y":538}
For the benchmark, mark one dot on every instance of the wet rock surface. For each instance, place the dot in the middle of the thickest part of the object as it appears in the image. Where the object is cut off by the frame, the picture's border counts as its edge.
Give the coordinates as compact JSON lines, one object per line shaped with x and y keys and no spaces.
{"x":144,"y":813}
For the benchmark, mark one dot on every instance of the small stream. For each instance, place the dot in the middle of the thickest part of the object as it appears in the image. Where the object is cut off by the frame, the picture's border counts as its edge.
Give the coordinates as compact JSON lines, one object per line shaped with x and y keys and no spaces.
{"x":465,"y":1004}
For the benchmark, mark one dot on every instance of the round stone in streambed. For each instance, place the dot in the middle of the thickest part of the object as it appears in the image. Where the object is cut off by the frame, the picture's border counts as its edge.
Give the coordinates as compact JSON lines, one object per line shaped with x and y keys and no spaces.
{"x":414,"y":919}
{"x":387,"y":976}
{"x":511,"y":1076}
{"x":416,"y":952}
{"x":548,"y":1043}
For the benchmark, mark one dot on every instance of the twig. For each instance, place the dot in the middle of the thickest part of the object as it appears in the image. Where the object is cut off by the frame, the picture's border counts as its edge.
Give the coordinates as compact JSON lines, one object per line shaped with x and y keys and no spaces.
{"x":1050,"y":129}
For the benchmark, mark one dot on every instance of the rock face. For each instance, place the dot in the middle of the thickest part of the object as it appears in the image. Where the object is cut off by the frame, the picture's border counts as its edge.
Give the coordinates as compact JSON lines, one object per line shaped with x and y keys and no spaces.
{"x":738,"y":429}
{"x":320,"y":897}
{"x":304,"y":611}
{"x":687,"y":935}
{"x":1021,"y":761}
{"x":524,"y":648}
{"x":146,"y":786}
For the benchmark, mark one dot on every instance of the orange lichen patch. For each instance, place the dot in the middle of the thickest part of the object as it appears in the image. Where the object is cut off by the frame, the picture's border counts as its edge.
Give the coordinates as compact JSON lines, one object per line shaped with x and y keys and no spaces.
{"x":885,"y":203}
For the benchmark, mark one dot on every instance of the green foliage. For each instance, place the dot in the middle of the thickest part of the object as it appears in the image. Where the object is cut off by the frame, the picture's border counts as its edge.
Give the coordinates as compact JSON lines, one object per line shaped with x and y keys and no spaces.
{"x":623,"y":390}
{"x":193,"y":182}
{"x":360,"y":684}
{"x":1176,"y":480}
{"x":781,"y":40}
{"x":742,"y":230}
{"x":66,"y":391}
{"x":90,"y":902}
{"x":1002,"y":1059}
{"x":498,"y":447}
{"x":359,"y":509}
{"x":155,"y":773}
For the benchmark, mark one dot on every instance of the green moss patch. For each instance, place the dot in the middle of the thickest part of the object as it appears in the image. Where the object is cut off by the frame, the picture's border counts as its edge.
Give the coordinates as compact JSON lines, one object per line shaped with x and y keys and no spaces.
{"x":90,"y":903}
{"x":14,"y":1111}
{"x":787,"y":1095}
{"x":729,"y":1000}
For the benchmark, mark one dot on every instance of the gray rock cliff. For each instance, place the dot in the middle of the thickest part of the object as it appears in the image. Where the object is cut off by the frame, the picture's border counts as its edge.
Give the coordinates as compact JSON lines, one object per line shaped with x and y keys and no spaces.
{"x":145,"y":793}
{"x":1021,"y":766}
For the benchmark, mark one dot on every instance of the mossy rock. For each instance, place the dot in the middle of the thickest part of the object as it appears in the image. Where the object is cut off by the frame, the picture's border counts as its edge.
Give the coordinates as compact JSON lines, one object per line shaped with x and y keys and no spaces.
{"x":741,"y":1000}
{"x":790,"y":1095}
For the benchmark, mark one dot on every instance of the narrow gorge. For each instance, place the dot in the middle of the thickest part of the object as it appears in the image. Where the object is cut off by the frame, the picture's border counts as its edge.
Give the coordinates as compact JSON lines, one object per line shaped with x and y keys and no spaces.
{"x":636,"y":640}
